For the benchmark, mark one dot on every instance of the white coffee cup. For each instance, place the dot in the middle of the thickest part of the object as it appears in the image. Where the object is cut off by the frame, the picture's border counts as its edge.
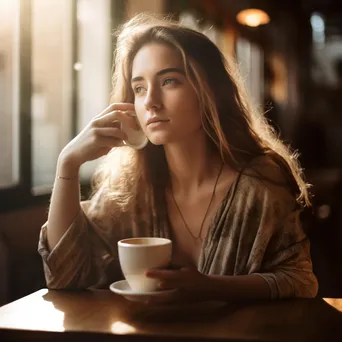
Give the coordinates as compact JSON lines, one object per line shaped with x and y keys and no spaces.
{"x":136,"y":255}
{"x":135,"y":138}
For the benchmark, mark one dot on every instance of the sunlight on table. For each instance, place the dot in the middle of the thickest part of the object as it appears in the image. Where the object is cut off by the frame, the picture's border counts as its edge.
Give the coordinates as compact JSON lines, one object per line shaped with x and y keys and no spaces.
{"x":122,"y":328}
{"x":336,"y":303}
{"x":37,"y":314}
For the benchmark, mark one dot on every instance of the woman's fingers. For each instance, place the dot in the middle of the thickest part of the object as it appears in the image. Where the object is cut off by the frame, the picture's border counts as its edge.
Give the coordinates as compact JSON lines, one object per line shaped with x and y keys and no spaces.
{"x":114,"y":132}
{"x":116,"y":106}
{"x":110,"y":120}
{"x":167,"y":284}
{"x":164,"y":274}
{"x":102,"y":134}
{"x":172,"y":272}
{"x":110,"y":142}
{"x":106,"y":137}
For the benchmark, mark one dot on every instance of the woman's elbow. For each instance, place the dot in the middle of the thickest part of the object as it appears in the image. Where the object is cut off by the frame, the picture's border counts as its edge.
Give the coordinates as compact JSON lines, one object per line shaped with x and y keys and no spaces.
{"x":309,"y":289}
{"x":304,"y":284}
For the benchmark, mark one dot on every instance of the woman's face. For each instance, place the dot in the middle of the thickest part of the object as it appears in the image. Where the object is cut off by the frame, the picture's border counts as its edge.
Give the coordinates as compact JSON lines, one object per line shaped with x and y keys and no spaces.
{"x":165,"y":102}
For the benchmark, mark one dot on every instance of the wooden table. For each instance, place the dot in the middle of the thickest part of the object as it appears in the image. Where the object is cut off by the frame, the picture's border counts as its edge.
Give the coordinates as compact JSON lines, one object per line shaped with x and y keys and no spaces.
{"x":102,"y":315}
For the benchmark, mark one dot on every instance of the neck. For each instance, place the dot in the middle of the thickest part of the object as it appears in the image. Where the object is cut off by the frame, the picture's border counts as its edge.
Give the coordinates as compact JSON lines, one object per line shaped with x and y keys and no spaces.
{"x":191,"y":163}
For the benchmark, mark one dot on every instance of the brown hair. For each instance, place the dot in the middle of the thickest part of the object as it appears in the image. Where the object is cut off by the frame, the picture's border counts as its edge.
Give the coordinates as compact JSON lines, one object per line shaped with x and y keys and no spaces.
{"x":238,"y":132}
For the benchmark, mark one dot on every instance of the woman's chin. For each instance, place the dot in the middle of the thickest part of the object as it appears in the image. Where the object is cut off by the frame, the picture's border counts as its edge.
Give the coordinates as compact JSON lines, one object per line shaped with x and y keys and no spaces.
{"x":159,"y":139}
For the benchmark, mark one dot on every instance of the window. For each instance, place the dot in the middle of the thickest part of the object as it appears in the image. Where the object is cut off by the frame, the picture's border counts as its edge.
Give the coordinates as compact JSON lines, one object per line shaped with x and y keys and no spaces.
{"x":93,"y":66}
{"x":55,"y":74}
{"x":51,"y":90}
{"x":9,"y":92}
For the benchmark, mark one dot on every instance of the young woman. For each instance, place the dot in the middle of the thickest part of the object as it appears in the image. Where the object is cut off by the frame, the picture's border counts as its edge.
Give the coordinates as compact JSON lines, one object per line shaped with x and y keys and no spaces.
{"x":213,"y":178}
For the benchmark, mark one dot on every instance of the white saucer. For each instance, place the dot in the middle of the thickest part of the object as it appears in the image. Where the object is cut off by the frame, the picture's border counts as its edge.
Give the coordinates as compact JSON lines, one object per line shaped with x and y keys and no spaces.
{"x":122,"y":288}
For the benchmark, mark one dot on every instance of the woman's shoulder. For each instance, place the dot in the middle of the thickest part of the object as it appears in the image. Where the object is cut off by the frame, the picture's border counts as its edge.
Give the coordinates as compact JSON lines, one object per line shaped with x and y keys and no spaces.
{"x":265,"y":177}
{"x":264,"y":167}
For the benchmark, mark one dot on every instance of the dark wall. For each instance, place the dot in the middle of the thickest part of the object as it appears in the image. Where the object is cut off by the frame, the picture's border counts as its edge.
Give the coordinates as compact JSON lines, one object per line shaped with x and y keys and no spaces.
{"x":19,"y":235}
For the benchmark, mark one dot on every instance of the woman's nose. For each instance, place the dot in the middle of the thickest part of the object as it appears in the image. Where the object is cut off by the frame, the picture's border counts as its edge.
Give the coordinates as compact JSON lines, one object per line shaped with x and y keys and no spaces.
{"x":153,"y":99}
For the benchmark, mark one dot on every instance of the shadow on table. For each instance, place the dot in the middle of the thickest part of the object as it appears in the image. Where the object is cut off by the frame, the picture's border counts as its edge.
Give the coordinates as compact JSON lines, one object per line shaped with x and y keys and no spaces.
{"x":180,"y":313}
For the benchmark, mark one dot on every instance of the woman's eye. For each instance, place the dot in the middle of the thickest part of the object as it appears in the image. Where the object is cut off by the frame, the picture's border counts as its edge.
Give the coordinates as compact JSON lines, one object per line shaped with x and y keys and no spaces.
{"x":170,"y":81}
{"x":138,"y":89}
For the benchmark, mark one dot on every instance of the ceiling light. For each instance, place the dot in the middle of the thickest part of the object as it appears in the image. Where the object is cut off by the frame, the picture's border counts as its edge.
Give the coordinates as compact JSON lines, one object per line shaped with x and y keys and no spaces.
{"x":253,"y":17}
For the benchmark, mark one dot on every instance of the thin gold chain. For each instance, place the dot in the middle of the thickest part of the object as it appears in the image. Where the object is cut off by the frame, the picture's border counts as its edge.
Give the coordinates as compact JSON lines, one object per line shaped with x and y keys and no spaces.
{"x":206,"y":213}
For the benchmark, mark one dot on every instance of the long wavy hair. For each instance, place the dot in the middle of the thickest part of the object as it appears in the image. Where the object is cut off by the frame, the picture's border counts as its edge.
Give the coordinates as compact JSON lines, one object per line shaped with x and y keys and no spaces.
{"x":136,"y":180}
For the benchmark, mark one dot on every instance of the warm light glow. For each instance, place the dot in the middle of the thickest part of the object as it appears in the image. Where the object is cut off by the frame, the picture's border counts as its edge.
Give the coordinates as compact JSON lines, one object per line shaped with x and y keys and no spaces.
{"x":122,"y":328}
{"x":336,"y":303}
{"x":36,"y":314}
{"x":253,"y":17}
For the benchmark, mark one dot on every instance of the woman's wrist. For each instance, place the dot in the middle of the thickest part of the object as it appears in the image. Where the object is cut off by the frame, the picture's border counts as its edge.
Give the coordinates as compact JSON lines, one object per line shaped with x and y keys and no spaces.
{"x":67,"y":167}
{"x":206,"y":290}
{"x":212,"y":288}
{"x":238,"y":287}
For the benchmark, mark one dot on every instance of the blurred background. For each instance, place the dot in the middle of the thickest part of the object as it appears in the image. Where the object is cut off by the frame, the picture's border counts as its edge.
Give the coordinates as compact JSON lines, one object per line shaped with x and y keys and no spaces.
{"x":55,"y":75}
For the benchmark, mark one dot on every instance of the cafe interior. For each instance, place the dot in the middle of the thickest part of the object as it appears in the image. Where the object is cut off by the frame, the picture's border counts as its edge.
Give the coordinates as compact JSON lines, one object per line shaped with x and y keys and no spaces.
{"x":55,"y":75}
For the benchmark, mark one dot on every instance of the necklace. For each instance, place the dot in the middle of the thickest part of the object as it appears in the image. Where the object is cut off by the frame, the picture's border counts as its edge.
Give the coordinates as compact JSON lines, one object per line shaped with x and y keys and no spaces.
{"x":199,"y":237}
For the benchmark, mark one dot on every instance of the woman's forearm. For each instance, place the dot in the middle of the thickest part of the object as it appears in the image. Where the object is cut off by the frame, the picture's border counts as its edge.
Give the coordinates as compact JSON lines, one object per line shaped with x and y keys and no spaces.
{"x":65,"y":201}
{"x":237,"y":287}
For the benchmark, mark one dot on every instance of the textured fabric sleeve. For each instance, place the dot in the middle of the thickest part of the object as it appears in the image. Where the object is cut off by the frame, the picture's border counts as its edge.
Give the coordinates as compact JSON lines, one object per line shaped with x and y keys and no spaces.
{"x":78,"y":260}
{"x":280,"y":252}
{"x":287,"y":266}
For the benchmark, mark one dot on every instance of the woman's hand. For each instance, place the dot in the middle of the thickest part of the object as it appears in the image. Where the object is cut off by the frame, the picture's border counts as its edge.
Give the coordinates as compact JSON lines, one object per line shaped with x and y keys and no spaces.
{"x":192,"y":284}
{"x":99,"y":136}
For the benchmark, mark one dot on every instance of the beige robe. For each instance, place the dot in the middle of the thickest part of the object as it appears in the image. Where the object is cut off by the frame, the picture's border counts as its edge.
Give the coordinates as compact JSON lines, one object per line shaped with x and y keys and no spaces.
{"x":256,"y":230}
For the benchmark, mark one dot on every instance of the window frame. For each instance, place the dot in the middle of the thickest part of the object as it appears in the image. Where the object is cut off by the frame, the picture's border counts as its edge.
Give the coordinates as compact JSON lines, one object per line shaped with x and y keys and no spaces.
{"x":20,"y":195}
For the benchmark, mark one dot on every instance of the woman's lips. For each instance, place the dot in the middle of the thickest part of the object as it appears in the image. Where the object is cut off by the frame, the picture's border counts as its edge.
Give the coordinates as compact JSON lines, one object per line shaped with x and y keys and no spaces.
{"x":156,"y":121}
